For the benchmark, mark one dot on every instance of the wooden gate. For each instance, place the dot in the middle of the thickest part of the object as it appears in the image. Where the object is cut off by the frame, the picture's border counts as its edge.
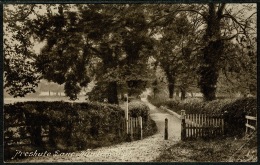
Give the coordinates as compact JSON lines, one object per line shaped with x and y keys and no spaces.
{"x":201,"y":125}
{"x":133,"y":127}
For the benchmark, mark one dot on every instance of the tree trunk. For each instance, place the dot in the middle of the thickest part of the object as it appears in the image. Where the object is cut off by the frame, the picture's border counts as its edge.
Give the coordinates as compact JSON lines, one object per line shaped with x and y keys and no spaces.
{"x":171,"y":82}
{"x":177,"y":92}
{"x":112,"y":93}
{"x":183,"y":93}
{"x":211,"y":54}
{"x":171,"y":90}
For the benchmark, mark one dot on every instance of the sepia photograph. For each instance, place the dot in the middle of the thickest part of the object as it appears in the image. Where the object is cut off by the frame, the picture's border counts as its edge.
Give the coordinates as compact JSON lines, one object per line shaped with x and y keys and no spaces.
{"x":129,"y":82}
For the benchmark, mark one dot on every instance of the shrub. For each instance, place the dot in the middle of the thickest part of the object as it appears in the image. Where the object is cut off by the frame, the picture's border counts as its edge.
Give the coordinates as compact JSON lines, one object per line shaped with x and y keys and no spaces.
{"x":195,"y":105}
{"x":138,"y":108}
{"x":150,"y":127}
{"x":235,"y":115}
{"x":70,"y":126}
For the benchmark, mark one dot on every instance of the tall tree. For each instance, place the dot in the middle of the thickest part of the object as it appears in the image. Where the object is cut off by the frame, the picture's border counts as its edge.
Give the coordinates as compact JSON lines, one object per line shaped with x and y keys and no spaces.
{"x":222,"y":24}
{"x":175,"y":52}
{"x":115,"y":37}
{"x":20,"y":77}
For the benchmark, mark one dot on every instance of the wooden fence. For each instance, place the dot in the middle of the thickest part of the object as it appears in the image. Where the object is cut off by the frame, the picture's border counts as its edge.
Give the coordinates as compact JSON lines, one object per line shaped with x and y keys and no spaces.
{"x":133,"y":127}
{"x":201,"y":125}
{"x":251,"y":123}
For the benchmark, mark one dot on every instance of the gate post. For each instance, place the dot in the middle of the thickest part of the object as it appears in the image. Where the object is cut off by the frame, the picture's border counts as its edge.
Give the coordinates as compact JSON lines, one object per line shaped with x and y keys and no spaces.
{"x":224,"y":123}
{"x":183,"y":125}
{"x":141,"y":127}
{"x":166,"y":129}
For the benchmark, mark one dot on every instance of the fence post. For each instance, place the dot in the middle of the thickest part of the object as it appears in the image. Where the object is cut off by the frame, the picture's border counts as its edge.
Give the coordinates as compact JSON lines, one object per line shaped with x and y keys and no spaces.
{"x":141,"y":127}
{"x":224,"y":126}
{"x":131,"y":128}
{"x":126,"y":113}
{"x":183,"y":125}
{"x":246,"y":126}
{"x":166,"y":129}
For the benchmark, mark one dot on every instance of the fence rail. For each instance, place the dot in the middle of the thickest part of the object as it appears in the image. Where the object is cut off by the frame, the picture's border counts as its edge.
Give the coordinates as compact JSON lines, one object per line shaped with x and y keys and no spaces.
{"x":250,"y":120}
{"x":201,"y":125}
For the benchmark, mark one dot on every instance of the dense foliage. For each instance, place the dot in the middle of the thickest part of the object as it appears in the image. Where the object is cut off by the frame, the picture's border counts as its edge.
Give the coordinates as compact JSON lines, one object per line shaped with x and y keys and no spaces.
{"x":68,"y":126}
{"x":138,"y":108}
{"x":115,"y":44}
{"x":235,"y":114}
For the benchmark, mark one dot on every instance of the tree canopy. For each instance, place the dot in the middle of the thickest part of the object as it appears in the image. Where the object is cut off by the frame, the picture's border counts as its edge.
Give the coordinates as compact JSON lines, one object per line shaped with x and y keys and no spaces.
{"x":113,"y":44}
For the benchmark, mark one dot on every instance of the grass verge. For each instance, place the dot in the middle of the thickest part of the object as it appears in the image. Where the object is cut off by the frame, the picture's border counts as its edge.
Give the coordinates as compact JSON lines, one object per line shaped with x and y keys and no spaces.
{"x":219,"y":150}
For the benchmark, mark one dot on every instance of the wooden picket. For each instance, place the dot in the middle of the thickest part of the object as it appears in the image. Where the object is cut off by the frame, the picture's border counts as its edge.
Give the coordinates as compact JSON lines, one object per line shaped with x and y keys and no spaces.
{"x":202,"y":125}
{"x":135,"y":127}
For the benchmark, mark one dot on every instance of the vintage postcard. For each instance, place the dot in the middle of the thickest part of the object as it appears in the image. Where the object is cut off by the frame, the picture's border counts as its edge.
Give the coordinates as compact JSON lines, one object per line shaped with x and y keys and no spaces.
{"x":156,"y":81}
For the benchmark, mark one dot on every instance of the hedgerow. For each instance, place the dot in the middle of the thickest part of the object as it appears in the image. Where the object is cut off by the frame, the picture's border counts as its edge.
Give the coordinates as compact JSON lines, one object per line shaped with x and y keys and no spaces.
{"x":234,"y":110}
{"x":235,"y":115}
{"x":68,"y":126}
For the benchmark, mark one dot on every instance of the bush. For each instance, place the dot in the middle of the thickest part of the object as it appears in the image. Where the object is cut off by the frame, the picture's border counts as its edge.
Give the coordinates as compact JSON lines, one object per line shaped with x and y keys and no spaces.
{"x":71,"y":126}
{"x":138,"y":108}
{"x":235,"y":115}
{"x":194,"y":105}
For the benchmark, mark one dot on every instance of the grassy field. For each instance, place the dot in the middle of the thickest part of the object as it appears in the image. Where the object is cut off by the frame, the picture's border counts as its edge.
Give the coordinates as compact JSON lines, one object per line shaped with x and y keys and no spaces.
{"x":9,"y":100}
{"x":220,"y":150}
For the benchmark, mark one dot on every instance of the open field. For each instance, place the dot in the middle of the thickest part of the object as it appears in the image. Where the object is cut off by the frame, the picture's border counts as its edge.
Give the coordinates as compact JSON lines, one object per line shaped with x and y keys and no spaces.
{"x":10,"y":100}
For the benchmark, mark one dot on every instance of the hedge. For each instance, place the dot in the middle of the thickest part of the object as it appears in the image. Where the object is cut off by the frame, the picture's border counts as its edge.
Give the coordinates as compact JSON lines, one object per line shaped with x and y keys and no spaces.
{"x":138,"y":108}
{"x":235,"y":115}
{"x":235,"y":109}
{"x":72,"y":126}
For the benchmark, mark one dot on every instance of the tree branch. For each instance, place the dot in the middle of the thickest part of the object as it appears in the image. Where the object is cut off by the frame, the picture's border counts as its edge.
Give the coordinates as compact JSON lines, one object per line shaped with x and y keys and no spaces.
{"x":220,"y":10}
{"x":177,"y":11}
{"x":95,"y":51}
{"x":194,"y":11}
{"x":23,"y":16}
{"x":229,"y":38}
{"x":242,"y":26}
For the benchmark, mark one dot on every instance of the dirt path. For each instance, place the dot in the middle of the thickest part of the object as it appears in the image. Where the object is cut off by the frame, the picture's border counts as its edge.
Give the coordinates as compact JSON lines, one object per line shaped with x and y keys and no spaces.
{"x":138,"y":151}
